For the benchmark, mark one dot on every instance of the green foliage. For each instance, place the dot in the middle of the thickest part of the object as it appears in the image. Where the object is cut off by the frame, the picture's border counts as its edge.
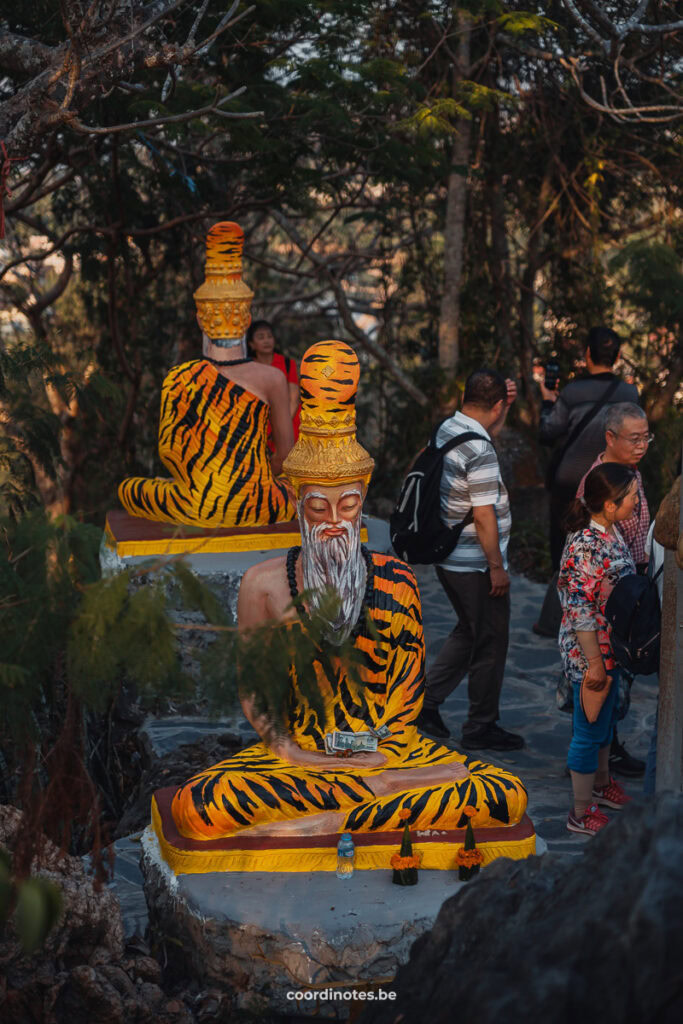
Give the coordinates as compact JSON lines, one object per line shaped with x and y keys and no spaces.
{"x":654,"y":279}
{"x":260,"y":665}
{"x":43,"y":566}
{"x":63,"y":626}
{"x":519,"y":22}
{"x":121,"y":631}
{"x":435,"y":118}
{"x":39,"y":905}
{"x":34,"y":904}
{"x":482,"y":97}
{"x":66,"y":627}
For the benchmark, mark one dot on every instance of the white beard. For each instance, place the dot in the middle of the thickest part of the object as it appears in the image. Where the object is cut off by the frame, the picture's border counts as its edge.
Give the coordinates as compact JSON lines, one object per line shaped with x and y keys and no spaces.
{"x":335,"y":563}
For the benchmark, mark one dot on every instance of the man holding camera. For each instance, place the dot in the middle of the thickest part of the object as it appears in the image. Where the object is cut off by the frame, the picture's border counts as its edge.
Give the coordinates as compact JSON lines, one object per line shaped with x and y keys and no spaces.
{"x":574,"y":414}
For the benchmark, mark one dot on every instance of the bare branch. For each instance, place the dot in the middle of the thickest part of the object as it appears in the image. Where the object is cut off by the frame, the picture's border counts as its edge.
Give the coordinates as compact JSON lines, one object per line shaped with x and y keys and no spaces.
{"x":197,"y":21}
{"x":636,"y":16}
{"x":364,"y":339}
{"x":586,"y":25}
{"x":190,"y":115}
{"x":23,"y":55}
{"x":661,"y":113}
{"x":224,"y":24}
{"x":659,"y":30}
{"x":56,"y":247}
{"x":167,"y":8}
{"x":173,"y":72}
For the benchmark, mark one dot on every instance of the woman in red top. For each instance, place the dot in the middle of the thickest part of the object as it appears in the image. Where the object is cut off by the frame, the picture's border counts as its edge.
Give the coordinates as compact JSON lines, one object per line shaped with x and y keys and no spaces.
{"x":261,"y":346}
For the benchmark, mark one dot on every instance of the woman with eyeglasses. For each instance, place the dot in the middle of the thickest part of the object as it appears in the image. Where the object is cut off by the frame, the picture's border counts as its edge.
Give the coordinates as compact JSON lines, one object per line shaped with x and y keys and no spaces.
{"x":594,"y":559}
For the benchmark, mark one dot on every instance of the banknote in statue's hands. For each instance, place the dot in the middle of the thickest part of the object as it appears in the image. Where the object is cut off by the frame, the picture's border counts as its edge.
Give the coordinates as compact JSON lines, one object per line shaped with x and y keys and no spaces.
{"x":353,"y":742}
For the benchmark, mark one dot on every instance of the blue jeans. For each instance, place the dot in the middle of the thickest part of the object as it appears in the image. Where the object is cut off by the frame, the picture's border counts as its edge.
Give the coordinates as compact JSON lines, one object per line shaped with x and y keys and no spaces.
{"x":589,"y":737}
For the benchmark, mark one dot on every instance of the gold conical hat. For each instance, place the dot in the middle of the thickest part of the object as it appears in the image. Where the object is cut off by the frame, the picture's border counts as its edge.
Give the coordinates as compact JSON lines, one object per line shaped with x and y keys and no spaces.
{"x":224,"y":301}
{"x":327,"y":451}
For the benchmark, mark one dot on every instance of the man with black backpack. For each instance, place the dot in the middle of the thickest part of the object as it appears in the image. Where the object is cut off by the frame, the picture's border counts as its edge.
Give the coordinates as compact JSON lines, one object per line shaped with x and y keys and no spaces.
{"x":474,"y":574}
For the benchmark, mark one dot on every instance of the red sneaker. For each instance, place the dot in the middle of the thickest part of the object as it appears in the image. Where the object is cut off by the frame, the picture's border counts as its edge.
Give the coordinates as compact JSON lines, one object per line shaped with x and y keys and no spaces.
{"x":591,"y":823}
{"x":611,"y":795}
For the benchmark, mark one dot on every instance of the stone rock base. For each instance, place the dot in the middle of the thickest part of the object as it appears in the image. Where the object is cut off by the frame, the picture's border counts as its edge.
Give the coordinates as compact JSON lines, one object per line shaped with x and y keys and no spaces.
{"x":221,"y":572}
{"x":262,"y":936}
{"x":557,"y":939}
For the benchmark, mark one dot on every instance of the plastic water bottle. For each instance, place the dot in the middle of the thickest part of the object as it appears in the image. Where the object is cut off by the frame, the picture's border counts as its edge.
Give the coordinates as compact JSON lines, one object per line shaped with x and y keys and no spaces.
{"x":345,"y":855}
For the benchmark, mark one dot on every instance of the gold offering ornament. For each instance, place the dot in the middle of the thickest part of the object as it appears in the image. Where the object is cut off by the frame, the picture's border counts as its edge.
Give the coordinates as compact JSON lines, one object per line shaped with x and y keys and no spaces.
{"x":224,"y":300}
{"x":327,"y":452}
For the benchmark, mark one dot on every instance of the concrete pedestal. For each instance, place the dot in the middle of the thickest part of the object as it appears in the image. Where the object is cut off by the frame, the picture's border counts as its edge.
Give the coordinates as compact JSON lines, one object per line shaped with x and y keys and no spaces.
{"x":222,"y":571}
{"x":267,"y":935}
{"x":293,"y":943}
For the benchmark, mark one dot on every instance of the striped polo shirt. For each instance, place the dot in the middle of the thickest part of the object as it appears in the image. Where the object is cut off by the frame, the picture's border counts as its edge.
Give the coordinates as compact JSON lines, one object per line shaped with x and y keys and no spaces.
{"x":471,"y":476}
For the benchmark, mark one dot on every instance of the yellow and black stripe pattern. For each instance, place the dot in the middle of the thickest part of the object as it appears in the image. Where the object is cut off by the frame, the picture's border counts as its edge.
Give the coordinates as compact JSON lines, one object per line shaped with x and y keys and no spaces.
{"x":326,"y":451}
{"x":212,"y":439}
{"x":256,"y":787}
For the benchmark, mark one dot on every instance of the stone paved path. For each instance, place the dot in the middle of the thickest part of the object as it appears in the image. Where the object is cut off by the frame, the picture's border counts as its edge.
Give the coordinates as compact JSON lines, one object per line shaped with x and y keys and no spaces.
{"x":528,"y":707}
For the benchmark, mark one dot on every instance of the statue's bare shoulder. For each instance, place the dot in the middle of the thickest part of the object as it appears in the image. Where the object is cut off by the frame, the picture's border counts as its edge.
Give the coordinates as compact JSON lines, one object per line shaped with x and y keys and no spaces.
{"x":264,"y":593}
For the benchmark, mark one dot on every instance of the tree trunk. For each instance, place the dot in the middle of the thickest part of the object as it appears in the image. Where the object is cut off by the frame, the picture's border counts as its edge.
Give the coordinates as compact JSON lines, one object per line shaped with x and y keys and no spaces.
{"x":454,"y":229}
{"x":534,"y":263}
{"x":500,"y":253}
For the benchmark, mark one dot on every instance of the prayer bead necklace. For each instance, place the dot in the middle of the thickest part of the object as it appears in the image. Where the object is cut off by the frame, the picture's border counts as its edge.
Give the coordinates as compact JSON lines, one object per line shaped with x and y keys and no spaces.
{"x":292,"y":556}
{"x":228,"y":362}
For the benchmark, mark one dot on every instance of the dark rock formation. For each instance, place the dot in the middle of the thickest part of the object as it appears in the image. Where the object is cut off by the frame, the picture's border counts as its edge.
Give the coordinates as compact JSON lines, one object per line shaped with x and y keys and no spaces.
{"x":83,"y":974}
{"x":555,"y":939}
{"x":173,"y":769}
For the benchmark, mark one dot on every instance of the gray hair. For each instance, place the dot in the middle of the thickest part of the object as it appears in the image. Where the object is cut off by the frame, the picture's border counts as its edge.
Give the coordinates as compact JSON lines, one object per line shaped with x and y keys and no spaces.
{"x":620,"y":411}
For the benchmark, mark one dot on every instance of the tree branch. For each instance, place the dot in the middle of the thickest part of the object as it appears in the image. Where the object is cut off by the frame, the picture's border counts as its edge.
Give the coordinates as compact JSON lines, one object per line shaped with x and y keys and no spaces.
{"x":586,"y":25}
{"x":368,"y":343}
{"x":24,"y":56}
{"x":190,"y":115}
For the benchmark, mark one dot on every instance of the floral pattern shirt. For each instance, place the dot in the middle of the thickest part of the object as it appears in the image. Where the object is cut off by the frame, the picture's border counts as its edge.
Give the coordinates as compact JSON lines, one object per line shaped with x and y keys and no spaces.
{"x":634,"y":529}
{"x":592,"y":562}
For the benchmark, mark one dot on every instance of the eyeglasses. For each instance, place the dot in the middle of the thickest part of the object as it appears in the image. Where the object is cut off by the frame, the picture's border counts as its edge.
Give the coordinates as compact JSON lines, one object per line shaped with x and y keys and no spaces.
{"x":636,"y":440}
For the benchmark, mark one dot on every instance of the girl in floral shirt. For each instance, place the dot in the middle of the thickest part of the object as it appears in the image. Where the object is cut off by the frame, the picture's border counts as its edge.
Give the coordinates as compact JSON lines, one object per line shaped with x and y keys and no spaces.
{"x":595,"y":557}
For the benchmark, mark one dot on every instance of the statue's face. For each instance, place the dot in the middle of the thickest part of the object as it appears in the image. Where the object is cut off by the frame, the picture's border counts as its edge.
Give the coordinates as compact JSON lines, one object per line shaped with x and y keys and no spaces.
{"x":331,"y":555}
{"x":333,"y":506}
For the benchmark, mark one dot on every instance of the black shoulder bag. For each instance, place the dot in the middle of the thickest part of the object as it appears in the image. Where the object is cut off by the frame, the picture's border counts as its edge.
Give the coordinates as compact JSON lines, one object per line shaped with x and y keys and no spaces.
{"x":559,"y":453}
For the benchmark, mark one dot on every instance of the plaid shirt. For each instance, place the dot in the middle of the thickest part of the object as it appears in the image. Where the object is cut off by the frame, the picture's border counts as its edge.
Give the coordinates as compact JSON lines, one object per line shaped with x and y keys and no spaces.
{"x":634,"y":529}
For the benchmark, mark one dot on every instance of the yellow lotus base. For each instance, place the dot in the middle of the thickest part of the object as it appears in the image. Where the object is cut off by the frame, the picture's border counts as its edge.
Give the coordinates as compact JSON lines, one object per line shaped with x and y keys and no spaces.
{"x":319,"y":853}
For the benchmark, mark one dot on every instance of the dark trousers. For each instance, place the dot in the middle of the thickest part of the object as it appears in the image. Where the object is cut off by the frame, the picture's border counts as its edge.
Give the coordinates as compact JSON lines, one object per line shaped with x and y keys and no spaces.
{"x":477,"y":645}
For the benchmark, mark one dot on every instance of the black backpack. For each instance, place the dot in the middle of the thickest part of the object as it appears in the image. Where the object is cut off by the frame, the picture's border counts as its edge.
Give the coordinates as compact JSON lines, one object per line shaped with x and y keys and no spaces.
{"x":635,"y":617}
{"x":418,"y":533}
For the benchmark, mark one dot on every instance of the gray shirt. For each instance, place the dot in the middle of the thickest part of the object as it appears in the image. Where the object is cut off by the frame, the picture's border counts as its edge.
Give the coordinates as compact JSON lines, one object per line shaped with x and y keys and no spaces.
{"x":471,"y":477}
{"x":558,"y":420}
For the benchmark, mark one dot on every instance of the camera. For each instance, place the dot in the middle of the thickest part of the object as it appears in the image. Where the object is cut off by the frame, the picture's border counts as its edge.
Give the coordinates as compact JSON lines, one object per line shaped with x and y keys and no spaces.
{"x":552,"y":374}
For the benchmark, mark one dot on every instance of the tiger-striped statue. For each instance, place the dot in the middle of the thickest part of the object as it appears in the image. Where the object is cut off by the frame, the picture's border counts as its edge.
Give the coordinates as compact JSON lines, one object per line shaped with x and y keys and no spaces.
{"x":212,"y":439}
{"x":215,"y":414}
{"x":265,"y":786}
{"x":253,"y":808}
